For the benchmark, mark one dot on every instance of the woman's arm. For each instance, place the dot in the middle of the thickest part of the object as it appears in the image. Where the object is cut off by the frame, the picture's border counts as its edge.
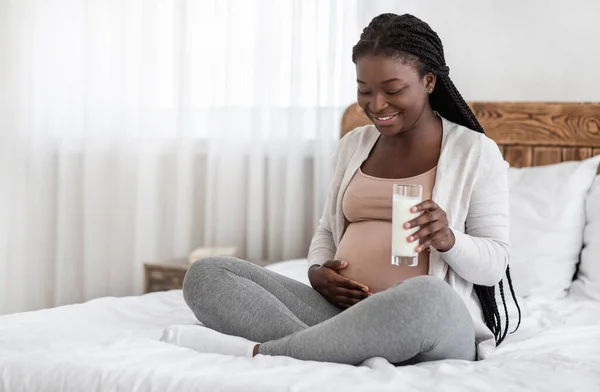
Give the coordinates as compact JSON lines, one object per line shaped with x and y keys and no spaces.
{"x":322,"y":246}
{"x":481,"y":254}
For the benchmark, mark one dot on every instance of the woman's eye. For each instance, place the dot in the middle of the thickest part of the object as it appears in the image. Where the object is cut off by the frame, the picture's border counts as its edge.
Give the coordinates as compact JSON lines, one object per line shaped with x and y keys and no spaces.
{"x":394,"y":92}
{"x":364,"y":92}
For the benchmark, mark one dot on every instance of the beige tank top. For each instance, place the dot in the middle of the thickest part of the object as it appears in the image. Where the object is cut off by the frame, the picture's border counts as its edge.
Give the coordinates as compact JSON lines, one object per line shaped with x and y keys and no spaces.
{"x":367,"y":242}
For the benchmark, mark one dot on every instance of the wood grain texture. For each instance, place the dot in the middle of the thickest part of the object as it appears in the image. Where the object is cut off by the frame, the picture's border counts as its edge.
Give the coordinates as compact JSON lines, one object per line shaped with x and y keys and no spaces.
{"x":353,"y":117}
{"x":535,"y":123}
{"x":163,"y":277}
{"x":502,"y":148}
{"x":576,"y":153}
{"x":596,"y":151}
{"x":528,"y":133}
{"x":546,"y":155}
{"x":518,"y":156}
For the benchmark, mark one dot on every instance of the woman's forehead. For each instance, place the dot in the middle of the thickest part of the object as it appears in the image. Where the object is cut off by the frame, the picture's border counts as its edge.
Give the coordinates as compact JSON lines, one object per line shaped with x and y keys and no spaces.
{"x":378,"y":69}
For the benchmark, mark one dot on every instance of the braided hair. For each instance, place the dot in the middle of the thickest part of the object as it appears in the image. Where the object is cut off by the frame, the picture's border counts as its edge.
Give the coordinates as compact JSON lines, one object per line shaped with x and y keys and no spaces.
{"x":412,"y":41}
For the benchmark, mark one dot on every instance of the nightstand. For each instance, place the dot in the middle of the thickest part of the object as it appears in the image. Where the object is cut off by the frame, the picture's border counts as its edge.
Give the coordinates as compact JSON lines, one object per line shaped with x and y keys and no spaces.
{"x":163,"y":276}
{"x":168,"y":275}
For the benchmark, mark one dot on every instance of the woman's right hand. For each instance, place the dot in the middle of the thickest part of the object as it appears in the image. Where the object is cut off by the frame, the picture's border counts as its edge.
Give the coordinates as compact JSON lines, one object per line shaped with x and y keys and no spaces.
{"x":340,"y":291}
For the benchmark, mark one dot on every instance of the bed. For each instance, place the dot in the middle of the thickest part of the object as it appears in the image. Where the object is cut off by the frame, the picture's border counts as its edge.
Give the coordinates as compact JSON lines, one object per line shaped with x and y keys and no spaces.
{"x":111,"y":344}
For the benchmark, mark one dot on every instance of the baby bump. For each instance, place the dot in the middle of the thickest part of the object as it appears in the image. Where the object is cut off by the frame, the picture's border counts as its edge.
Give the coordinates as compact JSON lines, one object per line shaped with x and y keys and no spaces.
{"x":367,"y":247}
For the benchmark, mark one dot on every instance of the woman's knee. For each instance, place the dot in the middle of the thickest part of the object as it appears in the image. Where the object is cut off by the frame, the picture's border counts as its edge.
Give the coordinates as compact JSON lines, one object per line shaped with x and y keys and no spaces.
{"x":436,"y":297}
{"x":424,"y":285}
{"x":202,"y":274}
{"x":449,"y":327}
{"x":427,"y":292}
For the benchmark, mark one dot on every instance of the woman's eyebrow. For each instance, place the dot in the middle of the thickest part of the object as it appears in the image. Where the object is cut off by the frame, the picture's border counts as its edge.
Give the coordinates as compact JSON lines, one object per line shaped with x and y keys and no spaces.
{"x":384,"y":82}
{"x":391,"y":80}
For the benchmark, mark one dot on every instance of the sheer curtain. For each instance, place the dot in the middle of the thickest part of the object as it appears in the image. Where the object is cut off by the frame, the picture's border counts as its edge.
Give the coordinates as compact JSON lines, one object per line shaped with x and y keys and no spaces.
{"x":137,"y":130}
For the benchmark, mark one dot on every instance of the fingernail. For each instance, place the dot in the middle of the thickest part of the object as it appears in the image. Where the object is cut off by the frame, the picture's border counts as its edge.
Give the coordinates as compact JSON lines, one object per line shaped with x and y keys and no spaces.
{"x":411,"y":238}
{"x":414,"y":209}
{"x":407,"y":225}
{"x":365,"y":289}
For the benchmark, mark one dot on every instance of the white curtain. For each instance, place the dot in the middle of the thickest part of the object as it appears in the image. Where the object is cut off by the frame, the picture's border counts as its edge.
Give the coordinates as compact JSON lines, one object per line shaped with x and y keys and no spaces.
{"x":137,"y":130}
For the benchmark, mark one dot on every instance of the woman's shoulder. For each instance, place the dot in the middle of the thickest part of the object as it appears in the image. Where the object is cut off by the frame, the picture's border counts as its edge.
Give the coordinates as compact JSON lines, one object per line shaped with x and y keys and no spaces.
{"x":467,"y":139}
{"x":475,"y":147}
{"x":360,"y":135}
{"x":356,"y":139}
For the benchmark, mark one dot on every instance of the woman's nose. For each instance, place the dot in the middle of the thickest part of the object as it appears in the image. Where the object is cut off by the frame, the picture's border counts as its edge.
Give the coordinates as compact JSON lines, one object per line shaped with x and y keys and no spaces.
{"x":378,"y":104}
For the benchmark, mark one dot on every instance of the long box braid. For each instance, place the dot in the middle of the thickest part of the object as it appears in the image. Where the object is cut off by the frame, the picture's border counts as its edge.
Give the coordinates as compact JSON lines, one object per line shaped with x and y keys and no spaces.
{"x":413,"y":41}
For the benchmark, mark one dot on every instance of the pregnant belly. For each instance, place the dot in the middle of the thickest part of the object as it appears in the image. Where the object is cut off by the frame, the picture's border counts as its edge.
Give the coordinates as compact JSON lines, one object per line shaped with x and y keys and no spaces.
{"x":367,"y":247}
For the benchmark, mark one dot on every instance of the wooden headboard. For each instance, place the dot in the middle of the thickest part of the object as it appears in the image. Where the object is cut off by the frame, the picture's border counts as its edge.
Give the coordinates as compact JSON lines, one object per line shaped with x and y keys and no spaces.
{"x":528,"y":133}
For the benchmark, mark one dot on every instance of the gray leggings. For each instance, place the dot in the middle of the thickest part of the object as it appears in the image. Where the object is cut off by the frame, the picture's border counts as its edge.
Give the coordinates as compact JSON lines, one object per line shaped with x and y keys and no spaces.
{"x":421,"y":319}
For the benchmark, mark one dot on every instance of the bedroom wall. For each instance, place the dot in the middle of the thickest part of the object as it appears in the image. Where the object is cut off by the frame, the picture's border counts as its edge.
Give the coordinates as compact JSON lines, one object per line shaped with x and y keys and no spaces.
{"x":512,"y":49}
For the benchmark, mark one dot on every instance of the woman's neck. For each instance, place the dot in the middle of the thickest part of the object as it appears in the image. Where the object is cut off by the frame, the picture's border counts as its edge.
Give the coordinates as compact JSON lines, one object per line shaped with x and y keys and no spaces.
{"x":423,"y":129}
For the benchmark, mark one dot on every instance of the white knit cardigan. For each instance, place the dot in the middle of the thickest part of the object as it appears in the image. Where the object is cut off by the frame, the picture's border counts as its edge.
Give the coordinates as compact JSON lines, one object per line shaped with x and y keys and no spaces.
{"x":471,"y":187}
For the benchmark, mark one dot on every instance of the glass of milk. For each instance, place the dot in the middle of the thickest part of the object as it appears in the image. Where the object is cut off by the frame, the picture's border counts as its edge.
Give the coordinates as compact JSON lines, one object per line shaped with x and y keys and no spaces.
{"x":404,"y":198}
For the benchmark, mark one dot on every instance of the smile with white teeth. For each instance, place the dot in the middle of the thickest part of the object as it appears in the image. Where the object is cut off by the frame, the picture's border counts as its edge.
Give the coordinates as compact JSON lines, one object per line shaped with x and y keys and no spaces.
{"x":385,"y":118}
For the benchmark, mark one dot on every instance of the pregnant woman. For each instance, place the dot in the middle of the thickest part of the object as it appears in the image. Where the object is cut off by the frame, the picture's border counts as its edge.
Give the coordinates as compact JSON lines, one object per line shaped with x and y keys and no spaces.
{"x":360,"y":305}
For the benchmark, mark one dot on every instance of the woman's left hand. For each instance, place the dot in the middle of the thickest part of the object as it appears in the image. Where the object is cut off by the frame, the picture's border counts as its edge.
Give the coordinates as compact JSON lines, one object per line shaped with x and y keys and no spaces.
{"x":433,"y":230}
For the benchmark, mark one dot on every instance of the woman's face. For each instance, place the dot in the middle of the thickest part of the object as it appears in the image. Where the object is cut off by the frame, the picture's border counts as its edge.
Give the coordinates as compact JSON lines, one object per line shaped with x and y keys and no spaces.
{"x":392,"y":93}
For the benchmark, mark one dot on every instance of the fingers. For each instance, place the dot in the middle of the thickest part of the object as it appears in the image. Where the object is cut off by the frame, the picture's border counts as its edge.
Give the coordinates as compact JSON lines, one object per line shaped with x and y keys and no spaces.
{"x":431,"y":212}
{"x":339,"y":280}
{"x":351,"y":293}
{"x":424,"y":206}
{"x":424,"y":244}
{"x":342,"y":292}
{"x":341,"y":304}
{"x":335,"y":264}
{"x":436,"y":234}
{"x":433,"y":227}
{"x":348,"y":283}
{"x":345,"y":299}
{"x":345,"y":302}
{"x":426,"y":231}
{"x":425,"y":218}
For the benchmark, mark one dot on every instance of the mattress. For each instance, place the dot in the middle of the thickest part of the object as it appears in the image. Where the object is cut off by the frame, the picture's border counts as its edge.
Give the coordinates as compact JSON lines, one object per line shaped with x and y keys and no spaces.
{"x":111,"y":344}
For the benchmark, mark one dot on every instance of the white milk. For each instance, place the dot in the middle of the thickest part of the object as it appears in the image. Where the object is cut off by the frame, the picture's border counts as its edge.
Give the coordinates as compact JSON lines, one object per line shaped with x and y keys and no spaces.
{"x":400,"y":215}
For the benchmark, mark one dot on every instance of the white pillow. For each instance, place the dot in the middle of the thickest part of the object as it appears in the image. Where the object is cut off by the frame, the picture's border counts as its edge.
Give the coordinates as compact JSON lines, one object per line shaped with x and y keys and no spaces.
{"x":547,"y":212}
{"x":587,"y":284}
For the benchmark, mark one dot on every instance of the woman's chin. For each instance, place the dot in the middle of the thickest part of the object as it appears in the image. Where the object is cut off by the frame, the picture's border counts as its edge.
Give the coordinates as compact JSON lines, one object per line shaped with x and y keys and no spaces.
{"x":389,"y":131}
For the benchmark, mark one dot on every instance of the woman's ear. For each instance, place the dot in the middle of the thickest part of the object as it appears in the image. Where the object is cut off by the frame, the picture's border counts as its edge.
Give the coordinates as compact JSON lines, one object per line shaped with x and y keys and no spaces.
{"x":430,"y":80}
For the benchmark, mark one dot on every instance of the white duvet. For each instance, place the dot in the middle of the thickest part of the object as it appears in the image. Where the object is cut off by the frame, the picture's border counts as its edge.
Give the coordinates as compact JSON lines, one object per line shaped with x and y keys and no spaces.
{"x":111,"y":344}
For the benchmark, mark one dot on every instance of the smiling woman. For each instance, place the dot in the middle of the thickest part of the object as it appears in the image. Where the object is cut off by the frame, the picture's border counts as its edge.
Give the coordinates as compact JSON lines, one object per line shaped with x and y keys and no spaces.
{"x":419,"y":63}
{"x":361,"y":306}
{"x":404,"y":88}
{"x":388,"y":91}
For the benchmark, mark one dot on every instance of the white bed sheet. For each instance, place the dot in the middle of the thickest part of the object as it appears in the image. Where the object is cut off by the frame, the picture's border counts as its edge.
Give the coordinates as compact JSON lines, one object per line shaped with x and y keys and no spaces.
{"x":111,"y":344}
